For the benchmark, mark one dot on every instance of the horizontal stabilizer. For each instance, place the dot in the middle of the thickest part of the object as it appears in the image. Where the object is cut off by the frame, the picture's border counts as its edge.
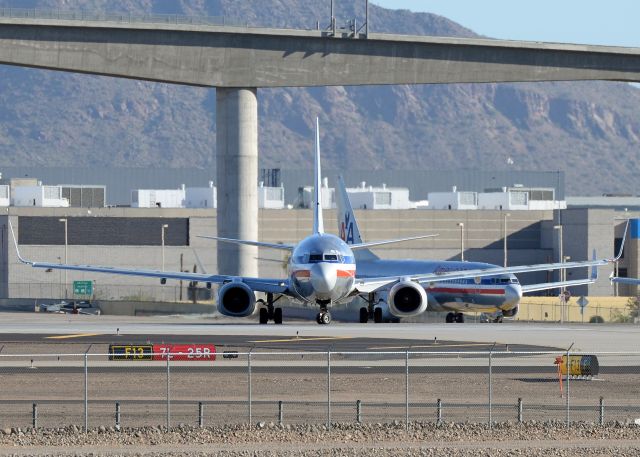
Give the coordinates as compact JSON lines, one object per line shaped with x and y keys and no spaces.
{"x":284,"y":247}
{"x":357,"y":246}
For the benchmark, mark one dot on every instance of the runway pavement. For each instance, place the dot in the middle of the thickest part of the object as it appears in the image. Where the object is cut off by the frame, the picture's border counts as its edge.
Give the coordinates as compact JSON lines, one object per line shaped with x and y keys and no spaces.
{"x":36,"y":327}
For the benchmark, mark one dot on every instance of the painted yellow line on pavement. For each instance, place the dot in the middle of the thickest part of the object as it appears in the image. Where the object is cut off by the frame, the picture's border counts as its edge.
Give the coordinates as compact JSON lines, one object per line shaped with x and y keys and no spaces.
{"x":75,"y":335}
{"x":289,"y":340}
{"x":437,"y":345}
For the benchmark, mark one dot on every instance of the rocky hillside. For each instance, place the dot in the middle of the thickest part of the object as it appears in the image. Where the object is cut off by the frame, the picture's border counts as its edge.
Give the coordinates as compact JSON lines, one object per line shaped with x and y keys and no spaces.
{"x":589,"y":129}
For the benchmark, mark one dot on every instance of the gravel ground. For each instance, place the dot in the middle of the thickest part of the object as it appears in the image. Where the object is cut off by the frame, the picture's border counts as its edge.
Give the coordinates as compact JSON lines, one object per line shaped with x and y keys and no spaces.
{"x":457,"y":440}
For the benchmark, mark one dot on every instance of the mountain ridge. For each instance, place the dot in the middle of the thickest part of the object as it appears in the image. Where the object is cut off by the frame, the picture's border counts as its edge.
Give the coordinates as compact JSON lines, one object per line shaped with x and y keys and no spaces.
{"x":590,"y":130}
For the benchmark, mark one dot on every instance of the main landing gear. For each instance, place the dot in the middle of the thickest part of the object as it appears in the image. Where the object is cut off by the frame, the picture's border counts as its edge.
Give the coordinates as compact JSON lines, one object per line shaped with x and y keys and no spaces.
{"x":270,"y":312}
{"x":324,"y":316}
{"x":454,"y":317}
{"x":369,"y":312}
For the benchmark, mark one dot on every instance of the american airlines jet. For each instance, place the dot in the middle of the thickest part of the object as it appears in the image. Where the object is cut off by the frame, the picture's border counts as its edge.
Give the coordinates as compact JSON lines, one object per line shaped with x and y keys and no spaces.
{"x":478,"y":287}
{"x":322,"y":272}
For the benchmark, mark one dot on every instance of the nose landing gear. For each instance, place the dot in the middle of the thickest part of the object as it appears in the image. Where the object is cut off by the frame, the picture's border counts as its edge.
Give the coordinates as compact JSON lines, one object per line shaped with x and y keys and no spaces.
{"x":324,"y":316}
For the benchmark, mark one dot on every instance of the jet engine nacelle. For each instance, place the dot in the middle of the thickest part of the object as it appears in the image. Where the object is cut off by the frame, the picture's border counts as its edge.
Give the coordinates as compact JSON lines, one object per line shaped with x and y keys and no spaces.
{"x":236,"y":299}
{"x":407,"y":299}
{"x":510,"y":312}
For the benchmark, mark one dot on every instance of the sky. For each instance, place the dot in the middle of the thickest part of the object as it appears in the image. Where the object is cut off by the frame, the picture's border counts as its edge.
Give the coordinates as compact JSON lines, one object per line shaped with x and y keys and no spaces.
{"x":605,"y":22}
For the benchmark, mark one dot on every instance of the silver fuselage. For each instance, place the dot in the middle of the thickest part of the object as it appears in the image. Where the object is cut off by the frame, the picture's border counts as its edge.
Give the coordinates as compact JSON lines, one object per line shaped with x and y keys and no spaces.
{"x":490,"y":294}
{"x":322,"y":268}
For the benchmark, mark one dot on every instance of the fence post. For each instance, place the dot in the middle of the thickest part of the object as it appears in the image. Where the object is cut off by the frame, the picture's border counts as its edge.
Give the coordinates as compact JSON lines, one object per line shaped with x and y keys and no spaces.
{"x":491,"y":385}
{"x":34,"y":415}
{"x":568,"y":377}
{"x":249,"y":384}
{"x":406,"y":397}
{"x":86,"y":394}
{"x":200,"y":414}
{"x":358,"y":411}
{"x":117,"y":414}
{"x":439,"y":412}
{"x":280,"y":412}
{"x":329,"y":389}
{"x":601,"y":418}
{"x":168,"y":391}
{"x":519,"y":410}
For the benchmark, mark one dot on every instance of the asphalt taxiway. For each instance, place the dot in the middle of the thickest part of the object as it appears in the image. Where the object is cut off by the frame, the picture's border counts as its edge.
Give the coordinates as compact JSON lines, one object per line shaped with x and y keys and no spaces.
{"x":36,"y":327}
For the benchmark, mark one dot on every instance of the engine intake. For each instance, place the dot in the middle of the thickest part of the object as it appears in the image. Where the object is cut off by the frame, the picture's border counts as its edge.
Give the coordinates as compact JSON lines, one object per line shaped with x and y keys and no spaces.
{"x":407,"y":299}
{"x":236,"y":299}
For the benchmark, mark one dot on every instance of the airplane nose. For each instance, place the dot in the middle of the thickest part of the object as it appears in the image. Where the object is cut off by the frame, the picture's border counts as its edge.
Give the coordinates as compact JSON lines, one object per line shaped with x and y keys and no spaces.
{"x":512,"y":294}
{"x":323,"y":277}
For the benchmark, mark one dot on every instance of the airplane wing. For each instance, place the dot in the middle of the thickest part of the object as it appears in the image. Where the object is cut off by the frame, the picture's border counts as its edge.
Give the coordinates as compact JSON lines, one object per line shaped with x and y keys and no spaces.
{"x":278,"y":286}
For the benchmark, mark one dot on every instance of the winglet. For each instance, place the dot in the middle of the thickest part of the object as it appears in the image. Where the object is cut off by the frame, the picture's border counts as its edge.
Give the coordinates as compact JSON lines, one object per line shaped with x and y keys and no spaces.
{"x":594,"y":269}
{"x":15,"y":242}
{"x":624,"y":237}
{"x":318,"y":226}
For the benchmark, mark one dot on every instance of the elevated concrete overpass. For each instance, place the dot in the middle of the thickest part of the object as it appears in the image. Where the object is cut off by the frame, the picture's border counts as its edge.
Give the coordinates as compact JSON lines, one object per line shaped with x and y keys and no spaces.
{"x":238,"y":60}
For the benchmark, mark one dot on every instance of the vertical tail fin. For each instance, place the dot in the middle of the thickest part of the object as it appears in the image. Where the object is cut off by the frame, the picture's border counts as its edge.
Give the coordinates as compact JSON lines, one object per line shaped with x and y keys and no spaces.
{"x":318,"y":225}
{"x":347,"y":224}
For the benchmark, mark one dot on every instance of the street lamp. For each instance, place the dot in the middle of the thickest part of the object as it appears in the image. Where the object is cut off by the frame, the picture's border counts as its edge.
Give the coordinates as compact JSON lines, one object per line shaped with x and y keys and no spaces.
{"x":562,"y":271}
{"x":66,"y":259}
{"x":461,"y":225}
{"x":505,"y":237}
{"x":164,"y":227}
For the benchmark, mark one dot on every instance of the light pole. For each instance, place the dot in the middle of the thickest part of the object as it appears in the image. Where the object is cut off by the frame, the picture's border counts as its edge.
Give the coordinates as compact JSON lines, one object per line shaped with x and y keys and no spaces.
{"x":564,"y":289}
{"x":164,"y":227}
{"x":561,"y":257}
{"x":461,"y":225}
{"x":66,"y":258}
{"x":504,"y":218}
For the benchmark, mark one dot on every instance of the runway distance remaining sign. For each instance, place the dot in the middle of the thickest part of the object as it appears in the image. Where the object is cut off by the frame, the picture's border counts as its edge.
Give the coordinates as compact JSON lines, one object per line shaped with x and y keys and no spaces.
{"x":130,"y":352}
{"x":188,"y":352}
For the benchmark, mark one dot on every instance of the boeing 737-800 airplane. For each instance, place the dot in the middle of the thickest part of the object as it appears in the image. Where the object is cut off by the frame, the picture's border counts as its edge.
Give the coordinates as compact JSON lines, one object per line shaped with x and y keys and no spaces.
{"x":322,"y":271}
{"x":498,"y":294}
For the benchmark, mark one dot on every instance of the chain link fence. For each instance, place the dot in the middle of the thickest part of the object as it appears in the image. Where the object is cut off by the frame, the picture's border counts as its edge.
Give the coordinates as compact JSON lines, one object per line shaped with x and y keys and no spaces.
{"x":91,"y":390}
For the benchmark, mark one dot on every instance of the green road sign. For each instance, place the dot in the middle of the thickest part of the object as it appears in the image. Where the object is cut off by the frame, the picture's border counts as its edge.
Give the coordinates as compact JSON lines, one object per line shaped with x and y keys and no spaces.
{"x":82,"y":287}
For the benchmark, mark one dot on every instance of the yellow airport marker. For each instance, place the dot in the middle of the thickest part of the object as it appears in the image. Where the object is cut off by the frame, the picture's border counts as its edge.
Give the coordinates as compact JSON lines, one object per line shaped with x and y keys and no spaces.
{"x":76,"y":335}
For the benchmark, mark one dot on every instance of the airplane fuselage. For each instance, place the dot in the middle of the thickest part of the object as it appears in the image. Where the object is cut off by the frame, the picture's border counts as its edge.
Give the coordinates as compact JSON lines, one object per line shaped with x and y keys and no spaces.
{"x":489,"y":294}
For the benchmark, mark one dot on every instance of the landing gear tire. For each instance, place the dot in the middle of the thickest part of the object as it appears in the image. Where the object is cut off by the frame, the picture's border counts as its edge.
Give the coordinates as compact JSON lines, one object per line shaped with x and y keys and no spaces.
{"x":264,"y":316}
{"x":277,"y":316}
{"x":498,"y":320}
{"x":323,"y":318}
{"x":377,"y":315}
{"x":459,"y":317}
{"x":450,"y":318}
{"x":364,"y":315}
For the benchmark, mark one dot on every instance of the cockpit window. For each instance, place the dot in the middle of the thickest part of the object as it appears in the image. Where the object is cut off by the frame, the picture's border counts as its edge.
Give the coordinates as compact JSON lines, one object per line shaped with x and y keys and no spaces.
{"x":313,"y":258}
{"x":505,"y":280}
{"x":514,"y":281}
{"x":331,"y":257}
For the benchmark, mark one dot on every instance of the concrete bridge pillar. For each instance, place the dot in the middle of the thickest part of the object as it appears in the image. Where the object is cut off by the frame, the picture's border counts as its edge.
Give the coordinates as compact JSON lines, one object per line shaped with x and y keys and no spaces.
{"x":237,"y":178}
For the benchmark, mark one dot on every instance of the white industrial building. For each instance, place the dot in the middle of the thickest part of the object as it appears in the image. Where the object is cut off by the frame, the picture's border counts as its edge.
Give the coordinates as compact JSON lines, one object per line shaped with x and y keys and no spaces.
{"x":369,"y":197}
{"x":328,"y":195}
{"x":158,"y":198}
{"x":270,"y":197}
{"x":453,"y":200}
{"x":5,"y":195}
{"x":201,"y":197}
{"x":506,"y":198}
{"x":39,"y":196}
